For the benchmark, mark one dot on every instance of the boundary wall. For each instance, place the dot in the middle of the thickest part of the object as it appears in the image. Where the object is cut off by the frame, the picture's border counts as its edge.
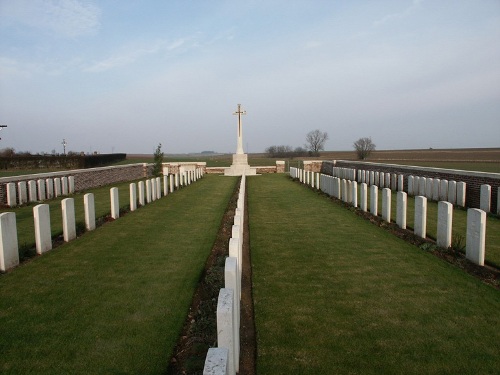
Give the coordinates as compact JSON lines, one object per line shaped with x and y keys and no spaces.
{"x":85,"y":178}
{"x":473,"y":180}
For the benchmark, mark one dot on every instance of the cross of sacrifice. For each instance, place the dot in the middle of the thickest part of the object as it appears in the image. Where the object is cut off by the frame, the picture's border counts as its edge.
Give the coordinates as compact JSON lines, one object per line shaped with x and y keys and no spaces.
{"x":239,"y":112}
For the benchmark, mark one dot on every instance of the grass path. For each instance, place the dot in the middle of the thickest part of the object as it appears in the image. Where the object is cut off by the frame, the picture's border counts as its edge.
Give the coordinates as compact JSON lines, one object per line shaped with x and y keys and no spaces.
{"x":335,"y":294}
{"x":114,"y":300}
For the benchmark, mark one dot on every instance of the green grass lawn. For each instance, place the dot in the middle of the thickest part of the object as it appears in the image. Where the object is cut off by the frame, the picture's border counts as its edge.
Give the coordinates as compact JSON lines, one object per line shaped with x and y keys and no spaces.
{"x":335,"y":294}
{"x":114,"y":300}
{"x":24,"y":214}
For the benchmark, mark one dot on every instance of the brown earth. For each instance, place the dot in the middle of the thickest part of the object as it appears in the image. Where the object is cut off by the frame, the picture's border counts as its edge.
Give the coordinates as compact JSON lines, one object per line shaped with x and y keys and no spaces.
{"x":200,"y":331}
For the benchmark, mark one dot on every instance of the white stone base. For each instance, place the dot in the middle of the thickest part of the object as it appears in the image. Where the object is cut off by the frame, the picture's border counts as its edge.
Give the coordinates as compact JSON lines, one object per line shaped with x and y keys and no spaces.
{"x":240,"y":167}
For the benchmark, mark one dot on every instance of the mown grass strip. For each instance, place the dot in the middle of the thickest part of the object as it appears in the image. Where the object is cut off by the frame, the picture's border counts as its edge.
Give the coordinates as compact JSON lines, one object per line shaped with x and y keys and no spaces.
{"x":115,"y":299}
{"x":335,"y":294}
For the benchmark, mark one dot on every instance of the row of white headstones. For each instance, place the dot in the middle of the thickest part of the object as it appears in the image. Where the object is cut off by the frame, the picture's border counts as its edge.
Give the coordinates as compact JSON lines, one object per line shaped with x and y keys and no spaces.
{"x":225,"y":358}
{"x":39,"y":190}
{"x":347,"y":191}
{"x":141,"y":193}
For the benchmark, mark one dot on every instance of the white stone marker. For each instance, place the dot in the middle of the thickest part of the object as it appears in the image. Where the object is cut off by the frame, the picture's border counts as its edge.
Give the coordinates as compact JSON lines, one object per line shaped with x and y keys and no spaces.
{"x":176,"y":178}
{"x":148,"y":191}
{"x":234,"y":251}
{"x":49,"y":188}
{"x":216,"y":362}
{"x":349,"y":191}
{"x":400,"y":182}
{"x":422,"y":183}
{"x":461,"y":188}
{"x":443,"y":190}
{"x":9,"y":249}
{"x":43,"y":236}
{"x":22,"y":193}
{"x":498,"y":201}
{"x":363,"y":196}
{"x":435,"y":189}
{"x":11,"y":194}
{"x":231,"y":279}
{"x":115,"y":204}
{"x":153,"y":189}
{"x":133,"y":196}
{"x":158,"y":187}
{"x":394,"y":182}
{"x":401,"y":209}
{"x":386,"y":204}
{"x":354,"y":194}
{"x":89,"y":208}
{"x":64,"y":185}
{"x":71,"y":184}
{"x":476,"y":235}
{"x":381,"y":179}
{"x":372,"y":178}
{"x":317,"y":181}
{"x":444,"y":224}
{"x":337,"y":188}
{"x":374,"y":200}
{"x":68,"y":218}
{"x":141,"y":193}
{"x":452,"y":192}
{"x":411,"y":185}
{"x":485,"y":198}
{"x":225,"y":325}
{"x":416,"y":183}
{"x":420,"y":225}
{"x":32,"y":191}
{"x":429,"y":184}
{"x":41,"y":190}
{"x":165,"y":185}
{"x":57,"y":187}
{"x":171,"y":183}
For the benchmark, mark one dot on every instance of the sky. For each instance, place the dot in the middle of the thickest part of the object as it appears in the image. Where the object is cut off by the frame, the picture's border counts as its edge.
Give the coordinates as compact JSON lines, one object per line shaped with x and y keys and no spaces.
{"x":125,"y":75}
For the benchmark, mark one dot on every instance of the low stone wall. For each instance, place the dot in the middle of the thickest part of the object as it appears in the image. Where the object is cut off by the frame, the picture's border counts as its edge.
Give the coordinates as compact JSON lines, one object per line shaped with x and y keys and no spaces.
{"x":473,"y":180}
{"x":278,"y":168}
{"x":85,"y":178}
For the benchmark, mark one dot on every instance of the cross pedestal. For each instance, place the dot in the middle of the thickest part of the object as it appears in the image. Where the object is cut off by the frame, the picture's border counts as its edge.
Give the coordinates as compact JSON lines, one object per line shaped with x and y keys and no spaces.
{"x":240,"y":164}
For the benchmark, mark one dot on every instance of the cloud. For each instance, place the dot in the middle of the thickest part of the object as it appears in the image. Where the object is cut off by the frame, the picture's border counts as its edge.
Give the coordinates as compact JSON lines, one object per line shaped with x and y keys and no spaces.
{"x":66,"y":18}
{"x":132,"y":53}
{"x":394,"y":16}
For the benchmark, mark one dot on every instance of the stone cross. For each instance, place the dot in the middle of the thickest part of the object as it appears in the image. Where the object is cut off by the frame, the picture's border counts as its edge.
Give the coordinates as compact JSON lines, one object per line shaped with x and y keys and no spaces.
{"x":239,"y":112}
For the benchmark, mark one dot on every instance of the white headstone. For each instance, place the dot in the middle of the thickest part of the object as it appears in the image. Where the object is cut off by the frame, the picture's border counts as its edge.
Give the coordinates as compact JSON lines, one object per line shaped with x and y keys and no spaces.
{"x":41,"y":190}
{"x":171,"y":178}
{"x":444,"y":224}
{"x":43,"y":236}
{"x":32,"y":191}
{"x":133,"y":196}
{"x":148,"y":191}
{"x":363,"y":196}
{"x":354,"y":194}
{"x":68,"y":217}
{"x":443,"y":190}
{"x":216,"y":362}
{"x":422,"y":183}
{"x":452,"y":192}
{"x":11,"y":194}
{"x":225,"y":325}
{"x":461,"y":188}
{"x":435,"y":189}
{"x":400,"y":182}
{"x":485,"y":198}
{"x":49,"y":188}
{"x":401,"y":209}
{"x":64,"y":185}
{"x":142,"y":201}
{"x":429,"y":184}
{"x":71,"y":184}
{"x":115,"y":204}
{"x":57,"y":187}
{"x":231,"y":279}
{"x":476,"y":236}
{"x":89,"y":208}
{"x":165,"y":185}
{"x":420,"y":225}
{"x":374,"y":200}
{"x":411,"y":185}
{"x":386,"y":204}
{"x":9,"y":249}
{"x":22,"y":192}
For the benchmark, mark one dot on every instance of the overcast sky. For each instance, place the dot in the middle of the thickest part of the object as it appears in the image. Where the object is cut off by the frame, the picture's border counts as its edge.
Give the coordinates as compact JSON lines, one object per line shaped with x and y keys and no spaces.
{"x":123,"y":76}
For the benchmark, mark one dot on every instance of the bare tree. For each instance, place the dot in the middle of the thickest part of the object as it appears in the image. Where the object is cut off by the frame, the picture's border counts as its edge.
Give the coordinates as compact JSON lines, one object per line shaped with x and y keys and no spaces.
{"x":364,"y":147}
{"x":315,"y":141}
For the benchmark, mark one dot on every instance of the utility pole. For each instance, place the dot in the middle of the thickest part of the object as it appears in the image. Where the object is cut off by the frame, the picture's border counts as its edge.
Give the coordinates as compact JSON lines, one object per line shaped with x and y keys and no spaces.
{"x":1,"y":128}
{"x":64,"y":146}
